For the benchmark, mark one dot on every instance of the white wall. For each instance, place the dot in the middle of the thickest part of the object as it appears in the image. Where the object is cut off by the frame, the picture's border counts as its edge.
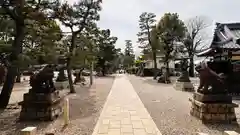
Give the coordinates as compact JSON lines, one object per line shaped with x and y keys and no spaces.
{"x":150,"y":64}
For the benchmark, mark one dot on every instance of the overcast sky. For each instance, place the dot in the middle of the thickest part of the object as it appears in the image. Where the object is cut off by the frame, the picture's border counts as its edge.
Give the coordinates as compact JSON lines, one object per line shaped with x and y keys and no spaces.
{"x":121,"y":16}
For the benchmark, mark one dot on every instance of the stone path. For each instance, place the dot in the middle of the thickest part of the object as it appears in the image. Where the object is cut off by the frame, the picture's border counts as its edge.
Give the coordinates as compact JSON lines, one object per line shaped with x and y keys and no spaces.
{"x":124,"y":112}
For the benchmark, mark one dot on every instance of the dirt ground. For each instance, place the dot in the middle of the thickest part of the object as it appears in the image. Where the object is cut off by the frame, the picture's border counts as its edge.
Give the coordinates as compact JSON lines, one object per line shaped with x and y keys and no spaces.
{"x":170,"y":109}
{"x":85,"y":108}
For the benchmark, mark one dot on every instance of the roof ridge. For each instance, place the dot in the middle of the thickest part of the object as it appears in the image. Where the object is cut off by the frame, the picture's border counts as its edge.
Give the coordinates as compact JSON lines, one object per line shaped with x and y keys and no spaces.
{"x":229,"y":23}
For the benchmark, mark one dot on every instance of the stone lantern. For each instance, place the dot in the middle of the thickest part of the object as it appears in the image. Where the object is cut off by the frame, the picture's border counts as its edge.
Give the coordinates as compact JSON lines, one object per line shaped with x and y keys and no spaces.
{"x":183,"y":83}
{"x":61,"y":81}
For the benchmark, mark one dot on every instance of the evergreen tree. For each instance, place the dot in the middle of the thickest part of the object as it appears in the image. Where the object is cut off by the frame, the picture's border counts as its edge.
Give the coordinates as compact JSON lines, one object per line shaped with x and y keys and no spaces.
{"x":128,"y":54}
{"x":170,"y":29}
{"x":146,"y":25}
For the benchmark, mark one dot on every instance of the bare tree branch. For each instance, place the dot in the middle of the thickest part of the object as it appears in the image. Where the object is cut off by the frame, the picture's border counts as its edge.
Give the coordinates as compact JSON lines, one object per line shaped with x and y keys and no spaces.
{"x":195,"y":26}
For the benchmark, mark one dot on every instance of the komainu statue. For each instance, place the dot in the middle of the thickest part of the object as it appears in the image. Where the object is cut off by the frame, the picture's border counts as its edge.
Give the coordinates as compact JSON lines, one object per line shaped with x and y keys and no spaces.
{"x":210,"y":81}
{"x":42,"y":81}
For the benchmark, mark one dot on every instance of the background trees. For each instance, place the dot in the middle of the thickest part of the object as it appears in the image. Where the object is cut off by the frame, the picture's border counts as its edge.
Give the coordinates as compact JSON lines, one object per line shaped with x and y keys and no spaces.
{"x":128,"y":54}
{"x":30,"y":34}
{"x":170,"y":29}
{"x":163,"y":37}
{"x":195,"y":38}
{"x":106,"y":50}
{"x":77,"y":17}
{"x":19,"y":12}
{"x":146,"y":24}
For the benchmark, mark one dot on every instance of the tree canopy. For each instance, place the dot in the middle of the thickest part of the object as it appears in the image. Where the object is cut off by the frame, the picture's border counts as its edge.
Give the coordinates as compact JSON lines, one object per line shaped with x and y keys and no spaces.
{"x":170,"y":30}
{"x":128,"y":54}
{"x":30,"y":34}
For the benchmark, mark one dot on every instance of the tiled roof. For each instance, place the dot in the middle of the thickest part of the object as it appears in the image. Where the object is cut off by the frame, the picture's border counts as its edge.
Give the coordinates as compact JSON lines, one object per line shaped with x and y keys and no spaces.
{"x":226,"y":36}
{"x":236,"y":33}
{"x":228,"y":45}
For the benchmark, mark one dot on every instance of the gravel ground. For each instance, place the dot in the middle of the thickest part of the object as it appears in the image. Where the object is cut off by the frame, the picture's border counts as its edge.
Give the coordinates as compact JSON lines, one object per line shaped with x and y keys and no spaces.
{"x":85,"y":108}
{"x":170,"y":109}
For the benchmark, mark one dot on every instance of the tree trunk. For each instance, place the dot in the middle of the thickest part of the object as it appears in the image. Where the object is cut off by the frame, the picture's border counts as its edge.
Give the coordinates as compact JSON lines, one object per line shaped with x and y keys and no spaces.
{"x":167,"y":71}
{"x":91,"y":73}
{"x":78,"y":76}
{"x":18,"y":78}
{"x":155,"y":64}
{"x":8,"y":86}
{"x":12,"y":68}
{"x":191,"y":68}
{"x":103,"y":70}
{"x":69,"y":67}
{"x":70,"y":80}
{"x":3,"y":72}
{"x":61,"y":76}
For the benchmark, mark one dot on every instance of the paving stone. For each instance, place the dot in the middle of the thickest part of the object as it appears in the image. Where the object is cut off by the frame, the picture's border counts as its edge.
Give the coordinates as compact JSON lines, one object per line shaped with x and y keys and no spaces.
{"x":126,"y":121}
{"x":114,"y":132}
{"x":105,"y":121}
{"x":137,"y":124}
{"x":139,"y":132}
{"x":127,"y":134}
{"x":147,"y":122}
{"x":135,"y":118}
{"x":114,"y":126}
{"x":103,"y":129}
{"x":127,"y":129}
{"x":124,"y":114}
{"x":115,"y":122}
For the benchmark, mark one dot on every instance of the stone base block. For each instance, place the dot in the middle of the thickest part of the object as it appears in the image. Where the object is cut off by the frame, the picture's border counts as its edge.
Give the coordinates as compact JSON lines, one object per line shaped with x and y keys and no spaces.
{"x":212,"y":98}
{"x":44,"y":114}
{"x":184,"y":86}
{"x":213,"y":112}
{"x":61,"y":85}
{"x":47,"y":98}
{"x":41,"y":106}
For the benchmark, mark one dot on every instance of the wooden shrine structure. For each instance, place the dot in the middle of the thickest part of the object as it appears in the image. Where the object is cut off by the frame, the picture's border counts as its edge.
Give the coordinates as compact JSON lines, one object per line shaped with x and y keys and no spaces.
{"x":225,"y":47}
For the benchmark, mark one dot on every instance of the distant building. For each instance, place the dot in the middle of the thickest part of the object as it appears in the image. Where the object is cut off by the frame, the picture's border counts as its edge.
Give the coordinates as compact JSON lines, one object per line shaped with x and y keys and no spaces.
{"x":160,"y":63}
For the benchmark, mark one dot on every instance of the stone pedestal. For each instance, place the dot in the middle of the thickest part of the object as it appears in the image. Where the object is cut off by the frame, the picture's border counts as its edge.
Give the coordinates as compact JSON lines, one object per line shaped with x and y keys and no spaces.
{"x":60,"y":85}
{"x":164,"y":78}
{"x":41,"y":106}
{"x":213,"y":108}
{"x":183,"y":83}
{"x":184,"y":86}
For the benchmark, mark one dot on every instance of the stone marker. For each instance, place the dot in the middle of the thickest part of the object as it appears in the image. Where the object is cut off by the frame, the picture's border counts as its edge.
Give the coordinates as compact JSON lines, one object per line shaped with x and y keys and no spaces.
{"x":230,"y":133}
{"x":29,"y":131}
{"x":66,"y":112}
